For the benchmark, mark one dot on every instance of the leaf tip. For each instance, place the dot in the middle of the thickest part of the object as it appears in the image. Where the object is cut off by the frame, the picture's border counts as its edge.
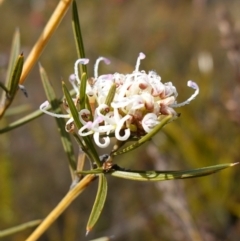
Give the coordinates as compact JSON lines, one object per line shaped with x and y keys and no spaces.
{"x":41,"y":69}
{"x":88,"y":229}
{"x":234,"y":164}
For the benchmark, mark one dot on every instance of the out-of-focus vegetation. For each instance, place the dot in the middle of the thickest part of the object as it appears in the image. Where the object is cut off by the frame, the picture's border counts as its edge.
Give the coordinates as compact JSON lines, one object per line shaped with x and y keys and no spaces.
{"x":182,"y":40}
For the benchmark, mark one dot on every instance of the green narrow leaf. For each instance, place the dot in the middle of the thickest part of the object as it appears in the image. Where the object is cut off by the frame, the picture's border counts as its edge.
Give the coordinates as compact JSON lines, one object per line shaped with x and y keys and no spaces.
{"x":93,"y":171}
{"x":88,"y":148}
{"x":78,"y":36}
{"x":92,"y":153}
{"x":14,"y":80}
{"x":22,"y":121}
{"x":71,"y":106}
{"x":82,"y":92}
{"x":169,"y":175}
{"x":111,"y":95}
{"x":88,"y":106}
{"x":99,"y":203}
{"x":81,"y":54}
{"x":7,"y":98}
{"x":145,"y":138}
{"x":55,"y":104}
{"x":83,"y":73}
{"x":19,"y":228}
{"x":15,"y":50}
{"x":18,"y":110}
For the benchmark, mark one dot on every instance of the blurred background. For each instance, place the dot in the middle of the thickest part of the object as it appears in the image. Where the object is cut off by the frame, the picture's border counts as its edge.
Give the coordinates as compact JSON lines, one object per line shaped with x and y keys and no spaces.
{"x":182,"y":40}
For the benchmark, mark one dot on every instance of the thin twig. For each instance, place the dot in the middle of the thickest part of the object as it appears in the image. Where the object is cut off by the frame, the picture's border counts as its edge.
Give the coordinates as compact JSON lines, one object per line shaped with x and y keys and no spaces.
{"x":58,"y":210}
{"x":50,"y":27}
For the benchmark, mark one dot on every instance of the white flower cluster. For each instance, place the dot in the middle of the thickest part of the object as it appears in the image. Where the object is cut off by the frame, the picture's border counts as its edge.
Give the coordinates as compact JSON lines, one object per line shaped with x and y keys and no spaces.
{"x":139,"y":103}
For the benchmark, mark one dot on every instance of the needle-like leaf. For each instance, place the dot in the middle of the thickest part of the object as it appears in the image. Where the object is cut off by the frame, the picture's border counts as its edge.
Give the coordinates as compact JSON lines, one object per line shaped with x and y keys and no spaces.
{"x":145,"y":138}
{"x":169,"y":175}
{"x":13,"y":85}
{"x":78,"y":36}
{"x":17,"y":71}
{"x":92,"y":153}
{"x":55,"y":104}
{"x":22,"y":121}
{"x":99,"y":203}
{"x":111,"y":95}
{"x":83,"y":96}
{"x":15,"y":51}
{"x":19,"y":228}
{"x":71,"y":106}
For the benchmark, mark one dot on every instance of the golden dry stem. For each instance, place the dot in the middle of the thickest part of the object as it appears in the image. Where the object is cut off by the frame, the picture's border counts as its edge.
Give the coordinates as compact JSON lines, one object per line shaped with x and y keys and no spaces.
{"x":59,"y":209}
{"x":50,"y":27}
